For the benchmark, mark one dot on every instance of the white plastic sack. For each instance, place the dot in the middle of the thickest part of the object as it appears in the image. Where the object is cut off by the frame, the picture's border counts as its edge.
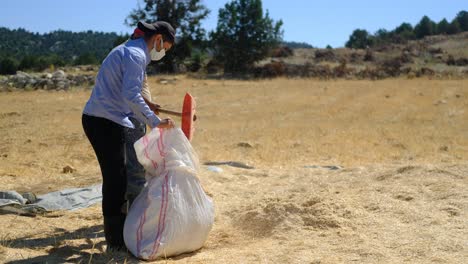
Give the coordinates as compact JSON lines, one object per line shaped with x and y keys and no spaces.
{"x":172,"y":215}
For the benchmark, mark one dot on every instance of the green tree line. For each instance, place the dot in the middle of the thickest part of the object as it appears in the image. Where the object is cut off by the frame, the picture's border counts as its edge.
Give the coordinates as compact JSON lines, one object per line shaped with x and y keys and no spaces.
{"x":24,"y":50}
{"x":361,"y":38}
{"x":244,"y":35}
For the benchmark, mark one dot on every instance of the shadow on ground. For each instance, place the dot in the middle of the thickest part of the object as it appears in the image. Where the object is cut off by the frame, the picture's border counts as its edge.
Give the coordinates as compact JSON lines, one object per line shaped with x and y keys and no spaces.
{"x":63,"y":251}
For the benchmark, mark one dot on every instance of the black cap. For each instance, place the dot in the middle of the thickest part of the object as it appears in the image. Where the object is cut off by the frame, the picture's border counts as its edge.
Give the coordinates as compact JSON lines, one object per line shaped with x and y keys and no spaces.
{"x":158,"y":27}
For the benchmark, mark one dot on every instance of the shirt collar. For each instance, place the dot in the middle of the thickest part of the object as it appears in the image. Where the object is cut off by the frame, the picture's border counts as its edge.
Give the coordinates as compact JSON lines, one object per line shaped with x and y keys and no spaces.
{"x":141,"y":43}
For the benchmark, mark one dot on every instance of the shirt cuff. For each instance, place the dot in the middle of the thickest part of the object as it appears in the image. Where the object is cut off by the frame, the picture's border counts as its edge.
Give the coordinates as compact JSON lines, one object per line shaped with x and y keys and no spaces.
{"x":154,"y":122}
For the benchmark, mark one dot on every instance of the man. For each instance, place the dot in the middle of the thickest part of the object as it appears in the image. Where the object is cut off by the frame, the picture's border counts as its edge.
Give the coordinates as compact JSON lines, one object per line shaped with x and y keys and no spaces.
{"x":115,"y":99}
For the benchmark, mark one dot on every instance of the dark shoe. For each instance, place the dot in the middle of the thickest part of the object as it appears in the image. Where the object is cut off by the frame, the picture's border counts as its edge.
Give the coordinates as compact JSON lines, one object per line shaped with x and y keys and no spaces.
{"x":113,"y":231}
{"x":114,"y":249}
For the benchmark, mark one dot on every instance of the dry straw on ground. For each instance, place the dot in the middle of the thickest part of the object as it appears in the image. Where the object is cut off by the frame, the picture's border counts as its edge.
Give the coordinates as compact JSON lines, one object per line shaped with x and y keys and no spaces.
{"x":400,"y":195}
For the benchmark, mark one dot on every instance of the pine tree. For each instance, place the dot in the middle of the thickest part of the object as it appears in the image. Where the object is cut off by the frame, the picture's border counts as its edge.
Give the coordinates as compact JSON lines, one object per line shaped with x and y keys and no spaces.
{"x":403,"y":33}
{"x":244,"y":35}
{"x":462,"y":18}
{"x":359,"y":39}
{"x":454,"y":27}
{"x":425,"y":27}
{"x":8,"y":66}
{"x":442,"y":27}
{"x":185,"y":16}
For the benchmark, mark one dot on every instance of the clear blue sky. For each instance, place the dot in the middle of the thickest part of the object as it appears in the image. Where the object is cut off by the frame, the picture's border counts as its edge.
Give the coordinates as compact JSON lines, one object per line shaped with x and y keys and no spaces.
{"x":316,"y":22}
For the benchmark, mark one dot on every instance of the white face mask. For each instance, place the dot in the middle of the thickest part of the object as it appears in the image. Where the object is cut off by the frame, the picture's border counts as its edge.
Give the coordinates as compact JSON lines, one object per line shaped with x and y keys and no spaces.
{"x":157,"y":55}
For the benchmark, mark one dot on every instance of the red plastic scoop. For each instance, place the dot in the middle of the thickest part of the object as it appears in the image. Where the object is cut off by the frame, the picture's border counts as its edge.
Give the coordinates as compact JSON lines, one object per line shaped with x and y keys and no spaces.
{"x":188,"y":115}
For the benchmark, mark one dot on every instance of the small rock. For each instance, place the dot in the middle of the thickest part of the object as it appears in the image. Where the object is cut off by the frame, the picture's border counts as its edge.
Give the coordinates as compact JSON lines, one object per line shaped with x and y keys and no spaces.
{"x":244,"y":145}
{"x":452,"y":211}
{"x":59,"y":74}
{"x":62,"y":85}
{"x":214,"y":169}
{"x":444,"y":148}
{"x":405,"y":169}
{"x":21,"y":74}
{"x":404,"y":197}
{"x":68,"y":169}
{"x":332,"y":167}
{"x":457,"y":96}
{"x":328,"y":167}
{"x":439,"y":102}
{"x":167,"y":80}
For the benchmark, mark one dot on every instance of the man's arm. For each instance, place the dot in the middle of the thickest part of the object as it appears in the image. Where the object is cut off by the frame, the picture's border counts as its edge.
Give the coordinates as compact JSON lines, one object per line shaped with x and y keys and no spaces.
{"x":132,"y":82}
{"x":154,"y":107}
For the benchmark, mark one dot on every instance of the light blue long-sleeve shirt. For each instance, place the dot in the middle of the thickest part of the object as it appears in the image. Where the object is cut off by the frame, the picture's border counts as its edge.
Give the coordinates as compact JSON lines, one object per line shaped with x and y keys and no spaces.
{"x":117,"y":93}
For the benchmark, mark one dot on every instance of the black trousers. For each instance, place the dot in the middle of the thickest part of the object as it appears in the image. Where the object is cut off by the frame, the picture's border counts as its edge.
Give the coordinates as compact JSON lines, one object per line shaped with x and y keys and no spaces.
{"x":108,"y":141}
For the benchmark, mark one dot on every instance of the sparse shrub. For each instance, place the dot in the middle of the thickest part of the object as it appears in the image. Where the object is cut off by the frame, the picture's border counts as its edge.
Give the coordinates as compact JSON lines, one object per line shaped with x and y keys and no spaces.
{"x":86,"y":58}
{"x":324,"y":71}
{"x":435,"y":51}
{"x":320,"y":71}
{"x":282,"y":52}
{"x":294,"y":70}
{"x":405,"y":57}
{"x":325,"y":55}
{"x":341,"y":70}
{"x":369,"y":56}
{"x":371,"y":73}
{"x":8,"y":66}
{"x":305,"y":70}
{"x":424,"y":71}
{"x":275,"y":69}
{"x":462,"y":62}
{"x":451,"y":61}
{"x":214,"y":66}
{"x":355,"y":57}
{"x":196,"y":61}
{"x":391,"y":66}
{"x":406,"y":70}
{"x":270,"y":70}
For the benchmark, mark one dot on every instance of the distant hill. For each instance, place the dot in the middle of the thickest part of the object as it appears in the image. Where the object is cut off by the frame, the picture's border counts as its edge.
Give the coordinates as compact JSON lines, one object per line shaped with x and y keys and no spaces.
{"x":436,"y":56}
{"x":64,"y":46}
{"x":297,"y":45}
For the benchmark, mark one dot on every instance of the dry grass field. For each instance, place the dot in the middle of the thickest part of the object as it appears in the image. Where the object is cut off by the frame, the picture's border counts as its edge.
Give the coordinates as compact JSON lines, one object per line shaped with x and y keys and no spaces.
{"x":400,"y":195}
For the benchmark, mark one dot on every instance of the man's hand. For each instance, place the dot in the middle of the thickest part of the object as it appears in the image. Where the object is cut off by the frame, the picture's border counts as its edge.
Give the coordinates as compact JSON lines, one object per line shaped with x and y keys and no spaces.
{"x":166,"y":123}
{"x":154,"y":107}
